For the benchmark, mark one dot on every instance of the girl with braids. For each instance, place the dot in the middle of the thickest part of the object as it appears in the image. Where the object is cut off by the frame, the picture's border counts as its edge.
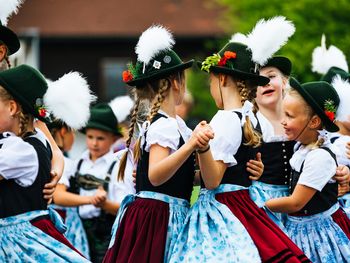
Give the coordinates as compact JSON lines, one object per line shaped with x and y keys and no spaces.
{"x":148,"y":222}
{"x":225,"y":225}
{"x":315,"y":222}
{"x":30,"y":232}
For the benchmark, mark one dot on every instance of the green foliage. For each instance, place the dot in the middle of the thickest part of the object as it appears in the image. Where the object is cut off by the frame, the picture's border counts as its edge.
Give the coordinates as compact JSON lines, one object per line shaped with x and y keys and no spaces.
{"x":136,"y":69}
{"x":210,"y":61}
{"x":312,"y":18}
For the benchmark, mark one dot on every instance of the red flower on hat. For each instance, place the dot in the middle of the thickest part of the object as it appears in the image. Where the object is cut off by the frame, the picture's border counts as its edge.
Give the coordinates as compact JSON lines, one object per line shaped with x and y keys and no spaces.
{"x":127,"y":76}
{"x":330,"y":115}
{"x":227,"y":55}
{"x":42,"y":112}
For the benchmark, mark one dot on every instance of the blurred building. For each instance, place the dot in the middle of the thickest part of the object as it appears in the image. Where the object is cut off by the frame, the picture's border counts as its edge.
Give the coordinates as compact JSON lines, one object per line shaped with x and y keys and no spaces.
{"x":97,"y":37}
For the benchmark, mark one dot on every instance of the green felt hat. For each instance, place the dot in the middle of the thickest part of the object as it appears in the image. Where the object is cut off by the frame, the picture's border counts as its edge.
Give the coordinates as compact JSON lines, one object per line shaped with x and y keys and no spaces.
{"x":234,"y":59}
{"x":27,"y":86}
{"x":322,"y":98}
{"x":102,"y":118}
{"x":162,"y":65}
{"x":9,"y":38}
{"x":332,"y":72}
{"x":280,"y":62}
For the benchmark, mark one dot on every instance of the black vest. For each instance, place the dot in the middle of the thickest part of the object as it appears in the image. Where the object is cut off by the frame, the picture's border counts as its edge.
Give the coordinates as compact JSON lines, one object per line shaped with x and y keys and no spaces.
{"x":179,"y":185}
{"x":15,"y":199}
{"x":321,"y":201}
{"x":275,"y":157}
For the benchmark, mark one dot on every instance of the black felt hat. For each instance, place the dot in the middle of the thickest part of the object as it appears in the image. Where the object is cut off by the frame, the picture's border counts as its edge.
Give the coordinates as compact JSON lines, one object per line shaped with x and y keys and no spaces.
{"x":9,"y":38}
{"x":280,"y":62}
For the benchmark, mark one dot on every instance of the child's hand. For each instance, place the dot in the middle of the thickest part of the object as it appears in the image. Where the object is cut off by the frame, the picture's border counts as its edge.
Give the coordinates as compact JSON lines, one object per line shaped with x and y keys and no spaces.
{"x":255,"y":168}
{"x":50,"y":187}
{"x":343,"y":189}
{"x":348,"y":150}
{"x":342,"y":175}
{"x":134,"y":177}
{"x":99,"y":198}
{"x":201,"y":135}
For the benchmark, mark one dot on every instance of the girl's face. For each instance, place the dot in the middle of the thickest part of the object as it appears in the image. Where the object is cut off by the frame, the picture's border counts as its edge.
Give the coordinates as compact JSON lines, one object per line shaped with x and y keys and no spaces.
{"x":180,"y":89}
{"x":68,"y":139}
{"x":296,"y":120}
{"x":7,"y":118}
{"x":214,"y":82}
{"x":99,"y":142}
{"x":271,"y":93}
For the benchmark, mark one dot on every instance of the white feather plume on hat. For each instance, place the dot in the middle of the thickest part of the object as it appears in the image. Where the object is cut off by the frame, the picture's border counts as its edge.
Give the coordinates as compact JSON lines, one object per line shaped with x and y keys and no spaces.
{"x":240,"y":38}
{"x":323,"y":59}
{"x":7,"y":8}
{"x":267,"y":37}
{"x":121,"y":107}
{"x":69,"y":99}
{"x":152,"y":41}
{"x":343,"y":89}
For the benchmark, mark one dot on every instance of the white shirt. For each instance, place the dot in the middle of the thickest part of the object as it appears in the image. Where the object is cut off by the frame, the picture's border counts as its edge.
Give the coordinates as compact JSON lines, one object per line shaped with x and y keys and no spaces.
{"x":319,"y":166}
{"x":166,"y":133}
{"x":228,"y":136}
{"x":18,"y":159}
{"x":116,"y":190}
{"x":340,"y":144}
{"x":268,"y":132}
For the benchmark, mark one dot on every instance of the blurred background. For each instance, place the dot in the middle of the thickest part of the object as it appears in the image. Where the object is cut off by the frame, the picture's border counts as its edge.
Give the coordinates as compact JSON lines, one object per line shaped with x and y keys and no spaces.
{"x":97,"y":38}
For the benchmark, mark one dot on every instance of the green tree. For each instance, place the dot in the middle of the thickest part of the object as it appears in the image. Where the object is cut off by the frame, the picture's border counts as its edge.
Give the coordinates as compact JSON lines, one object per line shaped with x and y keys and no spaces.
{"x":312,"y":18}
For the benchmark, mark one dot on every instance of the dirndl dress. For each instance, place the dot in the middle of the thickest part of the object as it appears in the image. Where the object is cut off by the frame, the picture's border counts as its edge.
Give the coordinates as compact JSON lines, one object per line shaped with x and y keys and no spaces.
{"x":319,"y":236}
{"x":144,"y":223}
{"x":21,"y":241}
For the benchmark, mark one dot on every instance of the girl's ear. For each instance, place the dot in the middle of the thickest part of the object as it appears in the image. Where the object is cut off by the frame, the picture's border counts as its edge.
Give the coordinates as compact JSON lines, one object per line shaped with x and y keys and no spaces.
{"x":14,"y":107}
{"x":222,"y":80}
{"x":315,"y":122}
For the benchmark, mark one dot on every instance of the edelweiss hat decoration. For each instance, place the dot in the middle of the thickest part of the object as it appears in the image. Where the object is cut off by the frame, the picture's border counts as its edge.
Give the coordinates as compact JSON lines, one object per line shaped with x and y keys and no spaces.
{"x":107,"y":116}
{"x":7,"y":36}
{"x":245,"y":54}
{"x":322,"y":98}
{"x":63,"y":100}
{"x":329,"y":62}
{"x":155,"y":57}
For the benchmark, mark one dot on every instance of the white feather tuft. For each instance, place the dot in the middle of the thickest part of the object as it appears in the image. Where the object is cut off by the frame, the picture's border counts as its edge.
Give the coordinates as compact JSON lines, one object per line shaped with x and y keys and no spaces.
{"x":323,"y":59}
{"x":268,"y":36}
{"x":121,"y":107}
{"x":8,"y":8}
{"x":154,"y":40}
{"x":69,"y":99}
{"x":240,"y":38}
{"x":343,"y":89}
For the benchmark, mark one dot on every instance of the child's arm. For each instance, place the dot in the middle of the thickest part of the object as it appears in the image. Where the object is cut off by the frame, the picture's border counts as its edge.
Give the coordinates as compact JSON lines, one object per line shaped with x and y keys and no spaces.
{"x":255,"y":167}
{"x":301,"y":196}
{"x":64,"y":198}
{"x":163,"y":165}
{"x":110,"y":207}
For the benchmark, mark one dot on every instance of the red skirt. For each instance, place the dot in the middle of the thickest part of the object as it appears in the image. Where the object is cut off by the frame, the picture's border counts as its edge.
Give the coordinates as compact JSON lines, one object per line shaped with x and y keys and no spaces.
{"x":142,"y":233}
{"x":49,"y":228}
{"x":272,"y":243}
{"x":342,"y":221}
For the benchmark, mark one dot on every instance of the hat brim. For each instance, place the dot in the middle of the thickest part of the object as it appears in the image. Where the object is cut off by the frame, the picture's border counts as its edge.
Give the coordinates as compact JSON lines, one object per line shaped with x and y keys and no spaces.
{"x":99,"y":126}
{"x":10,"y":39}
{"x":253,"y":78}
{"x":329,"y":125}
{"x":18,"y":97}
{"x":160,"y":74}
{"x":282,"y":63}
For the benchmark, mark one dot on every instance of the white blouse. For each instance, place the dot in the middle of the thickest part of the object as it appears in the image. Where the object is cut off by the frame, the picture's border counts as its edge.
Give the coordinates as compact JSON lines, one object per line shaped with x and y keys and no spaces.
{"x":340,"y":144}
{"x":319,"y":165}
{"x":166,"y":133}
{"x":18,"y":159}
{"x":268,"y":132}
{"x":227,"y":136}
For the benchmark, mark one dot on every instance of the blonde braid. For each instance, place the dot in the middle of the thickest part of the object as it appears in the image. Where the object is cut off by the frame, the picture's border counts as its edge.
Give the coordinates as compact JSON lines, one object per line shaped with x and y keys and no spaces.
{"x":23,"y":123}
{"x":251,"y":136}
{"x":124,"y":158}
{"x":164,"y":86}
{"x":8,"y":62}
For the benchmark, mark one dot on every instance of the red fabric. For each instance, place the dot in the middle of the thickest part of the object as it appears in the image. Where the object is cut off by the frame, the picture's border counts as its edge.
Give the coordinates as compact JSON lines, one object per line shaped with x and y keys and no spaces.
{"x":62,"y":213}
{"x":141,"y":235}
{"x":342,"y":221}
{"x":273,"y":245}
{"x":49,"y":228}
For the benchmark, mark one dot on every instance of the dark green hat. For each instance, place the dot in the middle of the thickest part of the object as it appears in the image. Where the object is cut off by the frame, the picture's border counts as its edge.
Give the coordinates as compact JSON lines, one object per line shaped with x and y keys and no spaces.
{"x":332,"y":72}
{"x":234,"y":59}
{"x":27,"y":86}
{"x":162,"y":65}
{"x":322,"y":98}
{"x":103,"y":118}
{"x":280,"y":62}
{"x":9,"y":38}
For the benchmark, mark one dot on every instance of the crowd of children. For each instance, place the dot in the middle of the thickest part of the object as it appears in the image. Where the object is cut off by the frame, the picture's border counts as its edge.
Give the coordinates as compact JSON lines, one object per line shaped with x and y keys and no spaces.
{"x":272,"y":164}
